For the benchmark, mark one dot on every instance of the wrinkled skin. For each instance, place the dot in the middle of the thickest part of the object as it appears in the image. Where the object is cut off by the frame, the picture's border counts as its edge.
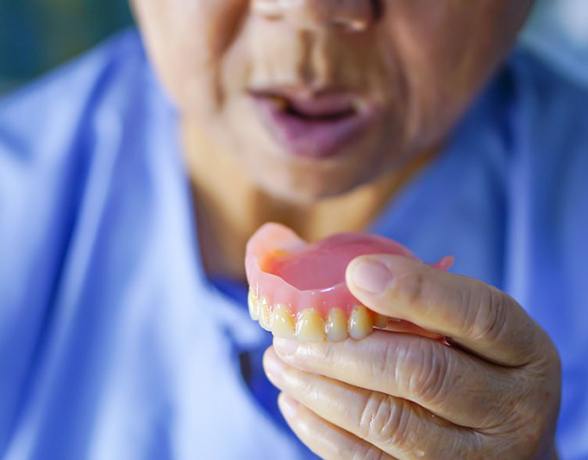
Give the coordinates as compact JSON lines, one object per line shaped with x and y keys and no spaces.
{"x":494,"y":393}
{"x":421,"y":62}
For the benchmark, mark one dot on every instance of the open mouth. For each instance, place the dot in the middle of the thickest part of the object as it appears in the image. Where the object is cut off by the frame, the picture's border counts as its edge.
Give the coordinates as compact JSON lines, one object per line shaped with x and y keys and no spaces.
{"x":313,"y":126}
{"x":315,"y":111}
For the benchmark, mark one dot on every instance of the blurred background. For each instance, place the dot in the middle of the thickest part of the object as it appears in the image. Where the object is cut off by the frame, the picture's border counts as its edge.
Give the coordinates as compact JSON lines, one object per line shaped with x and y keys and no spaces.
{"x":37,"y":35}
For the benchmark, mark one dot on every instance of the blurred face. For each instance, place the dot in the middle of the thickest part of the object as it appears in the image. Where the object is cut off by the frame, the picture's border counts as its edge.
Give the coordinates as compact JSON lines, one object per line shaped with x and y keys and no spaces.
{"x":315,"y":97}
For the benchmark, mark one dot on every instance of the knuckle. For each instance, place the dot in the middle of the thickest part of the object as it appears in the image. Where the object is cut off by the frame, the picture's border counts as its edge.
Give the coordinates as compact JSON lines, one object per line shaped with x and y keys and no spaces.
{"x":432,"y":379}
{"x":489,"y":313}
{"x":526,"y":438}
{"x":535,"y":411}
{"x":548,"y":360}
{"x":534,"y":434}
{"x":385,"y":420}
{"x":389,"y":364}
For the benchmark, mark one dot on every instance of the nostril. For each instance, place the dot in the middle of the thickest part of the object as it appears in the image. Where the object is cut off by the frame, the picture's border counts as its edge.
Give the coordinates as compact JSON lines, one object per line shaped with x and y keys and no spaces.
{"x":377,"y":9}
{"x":360,"y":17}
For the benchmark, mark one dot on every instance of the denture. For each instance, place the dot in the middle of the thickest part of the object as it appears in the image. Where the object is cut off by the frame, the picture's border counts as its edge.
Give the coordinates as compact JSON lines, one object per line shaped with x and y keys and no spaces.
{"x":298,"y":290}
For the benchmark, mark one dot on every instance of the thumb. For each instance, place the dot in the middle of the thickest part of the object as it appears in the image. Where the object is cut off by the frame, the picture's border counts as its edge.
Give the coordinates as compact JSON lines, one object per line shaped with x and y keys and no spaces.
{"x":371,"y":280}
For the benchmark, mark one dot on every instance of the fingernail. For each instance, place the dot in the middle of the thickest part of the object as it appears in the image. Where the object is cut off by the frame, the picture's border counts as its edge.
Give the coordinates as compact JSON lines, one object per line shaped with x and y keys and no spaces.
{"x":285,"y":347}
{"x":370,"y":276}
{"x":287,"y":405}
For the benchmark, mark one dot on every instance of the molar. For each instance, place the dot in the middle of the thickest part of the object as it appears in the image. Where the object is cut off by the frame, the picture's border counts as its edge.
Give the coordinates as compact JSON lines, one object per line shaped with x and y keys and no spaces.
{"x":310,"y":327}
{"x":361,"y":323}
{"x":336,"y":326}
{"x":282,"y":322}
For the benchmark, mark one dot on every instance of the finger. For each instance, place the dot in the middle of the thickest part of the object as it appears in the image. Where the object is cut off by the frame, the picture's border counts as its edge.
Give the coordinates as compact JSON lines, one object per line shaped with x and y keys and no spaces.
{"x":323,"y":438}
{"x":448,"y":382}
{"x":395,"y":426}
{"x":473,"y":314}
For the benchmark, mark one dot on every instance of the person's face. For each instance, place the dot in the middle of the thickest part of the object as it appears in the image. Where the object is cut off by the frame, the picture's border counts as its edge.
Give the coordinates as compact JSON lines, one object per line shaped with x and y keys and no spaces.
{"x":314,"y":97}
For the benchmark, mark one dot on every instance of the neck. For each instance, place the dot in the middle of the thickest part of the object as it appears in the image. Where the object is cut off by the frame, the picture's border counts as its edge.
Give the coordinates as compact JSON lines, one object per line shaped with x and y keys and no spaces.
{"x":226,"y":223}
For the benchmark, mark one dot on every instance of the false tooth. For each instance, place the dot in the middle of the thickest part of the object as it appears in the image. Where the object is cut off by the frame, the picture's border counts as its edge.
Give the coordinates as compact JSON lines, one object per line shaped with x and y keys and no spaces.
{"x":265,"y":314}
{"x":310,"y":327}
{"x":381,"y":321}
{"x":360,"y":323}
{"x":282,"y":322}
{"x":253,"y":302}
{"x":336,"y":326}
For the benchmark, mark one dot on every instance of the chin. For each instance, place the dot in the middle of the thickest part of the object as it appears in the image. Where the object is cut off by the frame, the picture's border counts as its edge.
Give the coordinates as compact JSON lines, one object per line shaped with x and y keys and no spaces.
{"x":292,"y":196}
{"x":309,"y":183}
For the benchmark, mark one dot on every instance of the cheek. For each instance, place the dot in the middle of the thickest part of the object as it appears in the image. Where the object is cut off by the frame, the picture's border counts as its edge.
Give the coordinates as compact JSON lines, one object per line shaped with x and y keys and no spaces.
{"x":446,"y":51}
{"x":457,"y":40}
{"x":186,"y":40}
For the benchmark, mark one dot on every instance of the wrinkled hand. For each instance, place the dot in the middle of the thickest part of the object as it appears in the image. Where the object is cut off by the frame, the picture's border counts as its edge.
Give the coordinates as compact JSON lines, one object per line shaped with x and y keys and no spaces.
{"x":494,"y":394}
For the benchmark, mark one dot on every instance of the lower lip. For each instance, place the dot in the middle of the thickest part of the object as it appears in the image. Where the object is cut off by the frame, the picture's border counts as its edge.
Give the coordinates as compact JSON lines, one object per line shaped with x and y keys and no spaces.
{"x":313,"y":139}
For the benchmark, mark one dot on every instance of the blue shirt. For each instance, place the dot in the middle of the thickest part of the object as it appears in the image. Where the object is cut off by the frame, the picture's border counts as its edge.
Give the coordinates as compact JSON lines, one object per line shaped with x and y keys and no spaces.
{"x":113,"y":343}
{"x":558,"y":30}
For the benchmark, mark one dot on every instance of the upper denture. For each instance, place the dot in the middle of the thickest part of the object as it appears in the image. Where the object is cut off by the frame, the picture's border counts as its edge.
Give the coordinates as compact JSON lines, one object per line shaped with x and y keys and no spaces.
{"x":299,"y":289}
{"x":286,"y":270}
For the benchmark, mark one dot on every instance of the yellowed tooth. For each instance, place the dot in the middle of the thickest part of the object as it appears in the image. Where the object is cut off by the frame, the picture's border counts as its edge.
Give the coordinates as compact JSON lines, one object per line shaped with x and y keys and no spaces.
{"x":381,"y":321}
{"x":280,"y":102}
{"x":336,"y":326}
{"x":265,"y":314}
{"x":310,"y":327}
{"x":282,"y":322}
{"x":361,"y":323}
{"x":253,"y":302}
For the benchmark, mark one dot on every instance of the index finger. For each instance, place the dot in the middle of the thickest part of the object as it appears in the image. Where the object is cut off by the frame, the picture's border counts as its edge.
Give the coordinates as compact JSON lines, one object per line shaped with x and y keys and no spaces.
{"x":474,"y":315}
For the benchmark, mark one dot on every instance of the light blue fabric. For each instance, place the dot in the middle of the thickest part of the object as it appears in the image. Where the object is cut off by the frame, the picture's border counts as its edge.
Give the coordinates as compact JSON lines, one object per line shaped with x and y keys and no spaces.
{"x":113,"y":345}
{"x":558,"y":30}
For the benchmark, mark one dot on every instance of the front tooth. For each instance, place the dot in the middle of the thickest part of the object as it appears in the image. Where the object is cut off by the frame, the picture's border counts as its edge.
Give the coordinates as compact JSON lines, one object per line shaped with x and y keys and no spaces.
{"x":282,"y":322}
{"x":336,"y":326}
{"x":265,"y":314}
{"x":360,"y":323}
{"x":253,"y":302}
{"x":310,"y":327}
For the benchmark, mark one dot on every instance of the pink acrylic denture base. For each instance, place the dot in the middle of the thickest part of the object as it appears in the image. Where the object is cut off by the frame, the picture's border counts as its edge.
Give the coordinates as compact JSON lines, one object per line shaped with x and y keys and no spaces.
{"x":283,"y":269}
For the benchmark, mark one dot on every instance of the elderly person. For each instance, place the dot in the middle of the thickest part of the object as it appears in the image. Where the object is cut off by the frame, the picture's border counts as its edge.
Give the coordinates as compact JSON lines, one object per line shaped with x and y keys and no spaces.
{"x":130,"y":181}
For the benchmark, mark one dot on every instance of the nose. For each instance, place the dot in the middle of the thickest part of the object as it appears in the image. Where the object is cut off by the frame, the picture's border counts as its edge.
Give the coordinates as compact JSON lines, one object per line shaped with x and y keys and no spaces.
{"x":348,"y":15}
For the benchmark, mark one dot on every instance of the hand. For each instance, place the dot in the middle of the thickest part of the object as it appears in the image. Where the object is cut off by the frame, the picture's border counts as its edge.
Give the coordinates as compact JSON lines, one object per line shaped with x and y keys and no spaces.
{"x":493,"y":394}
